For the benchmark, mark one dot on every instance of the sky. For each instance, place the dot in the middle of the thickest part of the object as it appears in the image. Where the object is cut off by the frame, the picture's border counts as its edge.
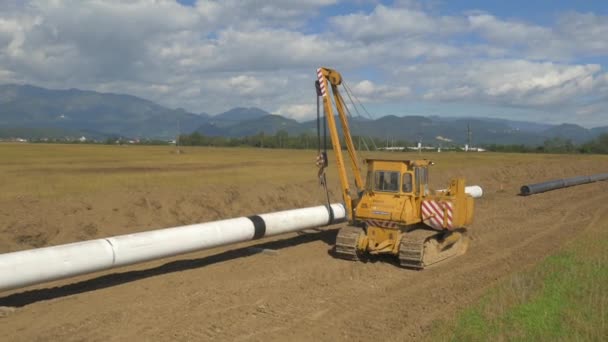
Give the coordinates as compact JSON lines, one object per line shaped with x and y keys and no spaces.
{"x":543,"y":61}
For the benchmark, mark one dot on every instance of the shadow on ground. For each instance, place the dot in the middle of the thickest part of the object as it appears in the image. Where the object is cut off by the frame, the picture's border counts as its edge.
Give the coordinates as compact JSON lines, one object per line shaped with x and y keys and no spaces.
{"x":29,"y":297}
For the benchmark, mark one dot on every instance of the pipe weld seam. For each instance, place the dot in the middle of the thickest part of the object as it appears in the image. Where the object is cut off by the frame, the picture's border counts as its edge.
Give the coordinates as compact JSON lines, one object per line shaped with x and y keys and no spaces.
{"x":113,"y":251}
{"x":330,"y":210}
{"x":259,"y":226}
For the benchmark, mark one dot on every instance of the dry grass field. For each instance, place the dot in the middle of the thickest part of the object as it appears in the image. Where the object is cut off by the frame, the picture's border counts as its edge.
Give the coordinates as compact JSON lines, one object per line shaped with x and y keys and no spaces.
{"x":54,"y":194}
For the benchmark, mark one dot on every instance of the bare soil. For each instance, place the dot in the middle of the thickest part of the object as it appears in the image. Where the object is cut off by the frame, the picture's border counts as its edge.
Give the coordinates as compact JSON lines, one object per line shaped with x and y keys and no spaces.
{"x":288,"y":287}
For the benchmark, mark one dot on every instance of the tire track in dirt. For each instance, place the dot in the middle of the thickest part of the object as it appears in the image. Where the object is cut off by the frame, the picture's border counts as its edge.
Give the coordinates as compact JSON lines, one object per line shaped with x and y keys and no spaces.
{"x":353,"y":310}
{"x":468,"y":277}
{"x":506,"y":259}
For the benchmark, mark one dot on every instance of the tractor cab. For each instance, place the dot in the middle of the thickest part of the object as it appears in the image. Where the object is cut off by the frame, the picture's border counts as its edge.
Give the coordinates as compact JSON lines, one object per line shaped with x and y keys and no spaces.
{"x":391,"y":186}
{"x":404,"y":177}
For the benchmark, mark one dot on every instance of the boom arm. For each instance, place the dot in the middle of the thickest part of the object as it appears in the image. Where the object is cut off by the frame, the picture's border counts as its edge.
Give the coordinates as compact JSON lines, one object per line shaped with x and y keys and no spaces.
{"x":325,"y":76}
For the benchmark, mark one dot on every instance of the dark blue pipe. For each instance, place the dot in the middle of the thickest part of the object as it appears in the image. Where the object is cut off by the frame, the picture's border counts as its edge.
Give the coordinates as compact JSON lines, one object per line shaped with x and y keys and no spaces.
{"x":531,"y":189}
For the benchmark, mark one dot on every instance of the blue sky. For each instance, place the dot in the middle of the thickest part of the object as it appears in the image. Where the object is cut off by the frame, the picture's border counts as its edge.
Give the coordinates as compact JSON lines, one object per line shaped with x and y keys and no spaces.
{"x":525,"y":60}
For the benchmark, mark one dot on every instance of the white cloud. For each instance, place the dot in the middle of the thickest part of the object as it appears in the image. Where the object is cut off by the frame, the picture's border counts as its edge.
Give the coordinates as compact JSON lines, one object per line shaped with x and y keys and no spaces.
{"x":300,"y":111}
{"x":586,"y":32}
{"x":368,"y":91}
{"x":574,"y":35}
{"x":221,"y":54}
{"x":508,"y":32}
{"x":252,"y":14}
{"x":510,"y":82}
{"x":388,"y":23}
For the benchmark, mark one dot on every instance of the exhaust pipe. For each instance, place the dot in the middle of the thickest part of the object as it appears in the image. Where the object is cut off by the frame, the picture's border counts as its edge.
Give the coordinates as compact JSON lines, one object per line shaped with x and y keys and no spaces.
{"x":532,"y":189}
{"x":35,"y":266}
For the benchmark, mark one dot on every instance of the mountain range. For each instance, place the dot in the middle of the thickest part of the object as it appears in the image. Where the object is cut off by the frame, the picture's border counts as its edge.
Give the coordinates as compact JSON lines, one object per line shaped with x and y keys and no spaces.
{"x":34,"y":112}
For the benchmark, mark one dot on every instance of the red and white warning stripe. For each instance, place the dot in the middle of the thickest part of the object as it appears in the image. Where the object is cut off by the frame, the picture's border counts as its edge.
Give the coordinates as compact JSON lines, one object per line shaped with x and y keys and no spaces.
{"x":321,"y":81}
{"x":438,"y":214}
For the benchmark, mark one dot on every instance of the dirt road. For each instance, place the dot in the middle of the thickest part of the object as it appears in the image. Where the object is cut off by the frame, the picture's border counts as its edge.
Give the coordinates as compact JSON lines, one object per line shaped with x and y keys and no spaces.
{"x":298,"y":292}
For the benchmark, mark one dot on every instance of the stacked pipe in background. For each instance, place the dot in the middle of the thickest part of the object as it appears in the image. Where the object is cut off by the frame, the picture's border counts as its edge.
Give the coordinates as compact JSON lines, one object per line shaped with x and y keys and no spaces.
{"x":531,"y":189}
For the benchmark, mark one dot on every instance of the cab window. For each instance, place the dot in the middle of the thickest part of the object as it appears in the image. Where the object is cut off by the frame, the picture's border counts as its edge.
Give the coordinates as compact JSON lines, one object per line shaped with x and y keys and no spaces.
{"x":422,"y":178}
{"x":386,"y":181}
{"x":407,"y":183}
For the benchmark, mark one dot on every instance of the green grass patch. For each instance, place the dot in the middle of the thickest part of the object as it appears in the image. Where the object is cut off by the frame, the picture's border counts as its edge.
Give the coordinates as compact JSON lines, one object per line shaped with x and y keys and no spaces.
{"x":564,"y":298}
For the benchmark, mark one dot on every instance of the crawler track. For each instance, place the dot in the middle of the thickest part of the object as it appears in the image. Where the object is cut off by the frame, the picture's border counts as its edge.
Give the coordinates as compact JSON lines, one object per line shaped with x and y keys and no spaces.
{"x":346,"y":243}
{"x":423,"y":247}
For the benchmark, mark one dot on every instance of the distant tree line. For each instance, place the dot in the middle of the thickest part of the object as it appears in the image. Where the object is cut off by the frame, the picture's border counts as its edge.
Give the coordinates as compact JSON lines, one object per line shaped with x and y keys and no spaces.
{"x":107,"y":141}
{"x":281,"y":139}
{"x":598,"y":145}
{"x":309,"y":141}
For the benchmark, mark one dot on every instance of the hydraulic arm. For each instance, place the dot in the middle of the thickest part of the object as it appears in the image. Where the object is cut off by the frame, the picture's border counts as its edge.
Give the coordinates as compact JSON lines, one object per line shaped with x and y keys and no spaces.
{"x":395,"y":212}
{"x":333,"y":78}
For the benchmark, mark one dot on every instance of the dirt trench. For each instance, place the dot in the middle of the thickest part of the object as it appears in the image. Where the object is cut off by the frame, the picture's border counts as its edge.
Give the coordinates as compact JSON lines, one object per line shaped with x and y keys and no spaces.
{"x":297,"y":293}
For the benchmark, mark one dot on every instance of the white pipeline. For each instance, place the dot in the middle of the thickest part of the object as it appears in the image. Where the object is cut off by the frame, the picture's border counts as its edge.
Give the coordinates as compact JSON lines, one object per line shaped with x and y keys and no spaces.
{"x":35,"y":266}
{"x":474,"y":191}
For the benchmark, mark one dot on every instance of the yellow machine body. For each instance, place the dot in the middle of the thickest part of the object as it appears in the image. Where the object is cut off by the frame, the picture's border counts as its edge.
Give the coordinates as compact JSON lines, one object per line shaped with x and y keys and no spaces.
{"x":395,"y":211}
{"x":392,"y":203}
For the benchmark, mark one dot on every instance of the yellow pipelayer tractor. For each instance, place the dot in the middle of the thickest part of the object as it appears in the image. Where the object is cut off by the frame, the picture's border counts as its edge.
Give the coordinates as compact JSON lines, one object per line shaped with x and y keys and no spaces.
{"x":395,"y":212}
